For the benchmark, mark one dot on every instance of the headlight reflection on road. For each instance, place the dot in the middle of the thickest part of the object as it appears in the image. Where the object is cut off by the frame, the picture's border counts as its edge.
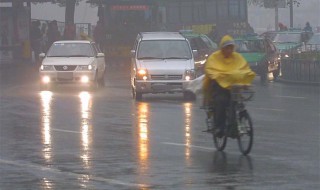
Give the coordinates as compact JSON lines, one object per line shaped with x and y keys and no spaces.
{"x":86,"y":106}
{"x":143,"y":116}
{"x":46,"y":98}
{"x":46,"y":184}
{"x":187,"y":111}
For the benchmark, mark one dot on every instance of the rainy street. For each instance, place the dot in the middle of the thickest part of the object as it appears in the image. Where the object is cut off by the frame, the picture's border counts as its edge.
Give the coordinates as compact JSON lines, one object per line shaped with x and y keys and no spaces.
{"x":70,"y":138}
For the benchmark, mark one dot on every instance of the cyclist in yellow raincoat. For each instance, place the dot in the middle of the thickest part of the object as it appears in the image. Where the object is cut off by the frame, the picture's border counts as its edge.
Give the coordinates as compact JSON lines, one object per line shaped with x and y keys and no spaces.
{"x":223,"y":69}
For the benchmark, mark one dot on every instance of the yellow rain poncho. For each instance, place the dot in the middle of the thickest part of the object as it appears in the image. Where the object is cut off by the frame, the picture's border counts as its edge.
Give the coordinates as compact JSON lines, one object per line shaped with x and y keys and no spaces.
{"x":228,"y":71}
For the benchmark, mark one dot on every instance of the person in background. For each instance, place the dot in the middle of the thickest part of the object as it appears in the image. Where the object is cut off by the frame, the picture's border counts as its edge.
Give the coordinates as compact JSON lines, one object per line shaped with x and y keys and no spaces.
{"x":309,"y":31}
{"x":44,"y":41}
{"x":282,"y":27}
{"x":308,"y":27}
{"x":84,"y":36}
{"x":99,"y":35}
{"x":53,"y":33}
{"x":35,"y":39}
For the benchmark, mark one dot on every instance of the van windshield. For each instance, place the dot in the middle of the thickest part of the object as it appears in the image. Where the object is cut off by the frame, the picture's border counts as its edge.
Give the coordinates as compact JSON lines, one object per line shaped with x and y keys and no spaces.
{"x":164,"y":49}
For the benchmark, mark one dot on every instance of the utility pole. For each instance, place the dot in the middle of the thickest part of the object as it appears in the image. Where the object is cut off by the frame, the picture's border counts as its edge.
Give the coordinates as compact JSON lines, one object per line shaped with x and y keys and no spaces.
{"x":276,"y":8}
{"x":291,"y":13}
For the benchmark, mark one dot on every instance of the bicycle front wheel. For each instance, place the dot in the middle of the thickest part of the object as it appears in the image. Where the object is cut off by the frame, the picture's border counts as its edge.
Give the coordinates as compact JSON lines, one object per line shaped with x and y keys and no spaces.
{"x":245,"y":135}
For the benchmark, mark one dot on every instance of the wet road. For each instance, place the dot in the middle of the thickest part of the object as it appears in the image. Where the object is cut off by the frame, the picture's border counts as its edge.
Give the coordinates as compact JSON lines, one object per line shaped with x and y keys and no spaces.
{"x":73,"y":139}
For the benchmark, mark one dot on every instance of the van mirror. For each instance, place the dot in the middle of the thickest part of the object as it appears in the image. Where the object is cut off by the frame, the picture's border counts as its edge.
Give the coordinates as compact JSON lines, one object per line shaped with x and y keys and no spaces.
{"x":100,"y":55}
{"x":133,"y":53}
{"x":42,"y":55}
{"x":195,"y":53}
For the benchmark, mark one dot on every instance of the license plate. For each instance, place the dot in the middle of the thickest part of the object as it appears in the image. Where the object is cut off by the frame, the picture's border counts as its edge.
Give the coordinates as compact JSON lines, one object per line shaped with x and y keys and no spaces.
{"x":65,"y":75}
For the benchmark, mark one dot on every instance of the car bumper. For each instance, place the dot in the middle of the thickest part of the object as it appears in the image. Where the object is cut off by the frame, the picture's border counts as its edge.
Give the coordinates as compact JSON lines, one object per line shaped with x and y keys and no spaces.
{"x":161,"y":86}
{"x":67,"y":77}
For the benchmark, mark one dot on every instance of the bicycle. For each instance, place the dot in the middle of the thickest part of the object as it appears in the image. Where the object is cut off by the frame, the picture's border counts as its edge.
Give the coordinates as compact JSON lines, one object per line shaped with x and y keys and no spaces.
{"x":238,"y":122}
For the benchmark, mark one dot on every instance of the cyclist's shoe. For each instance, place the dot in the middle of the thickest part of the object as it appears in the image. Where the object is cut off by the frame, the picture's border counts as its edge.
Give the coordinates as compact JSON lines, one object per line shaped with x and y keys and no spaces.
{"x":208,"y":130}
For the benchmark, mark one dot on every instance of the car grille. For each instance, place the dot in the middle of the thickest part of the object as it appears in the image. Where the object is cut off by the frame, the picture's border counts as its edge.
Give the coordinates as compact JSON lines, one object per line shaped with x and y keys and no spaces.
{"x":65,"y":67}
{"x":166,"y":77}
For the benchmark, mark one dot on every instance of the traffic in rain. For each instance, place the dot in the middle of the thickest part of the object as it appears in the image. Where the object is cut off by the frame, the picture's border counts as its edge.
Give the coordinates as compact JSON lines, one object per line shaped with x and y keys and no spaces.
{"x":159,"y":95}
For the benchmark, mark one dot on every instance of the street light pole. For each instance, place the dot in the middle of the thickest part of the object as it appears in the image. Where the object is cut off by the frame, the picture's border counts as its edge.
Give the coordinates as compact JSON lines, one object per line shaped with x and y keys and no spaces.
{"x":291,"y":13}
{"x":276,"y":16}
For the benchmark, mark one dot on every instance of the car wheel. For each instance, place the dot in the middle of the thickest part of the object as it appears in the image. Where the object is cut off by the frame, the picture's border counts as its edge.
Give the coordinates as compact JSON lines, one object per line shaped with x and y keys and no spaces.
{"x":136,"y":95}
{"x":263,"y":72}
{"x":189,"y":96}
{"x":276,"y":74}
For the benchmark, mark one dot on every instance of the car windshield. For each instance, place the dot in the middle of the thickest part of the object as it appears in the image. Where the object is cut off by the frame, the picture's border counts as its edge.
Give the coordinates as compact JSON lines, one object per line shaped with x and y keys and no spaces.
{"x":287,"y":38}
{"x":269,"y":35}
{"x":164,"y":49}
{"x":197,"y":43}
{"x":250,"y":46}
{"x":315,"y":39}
{"x":70,"y":50}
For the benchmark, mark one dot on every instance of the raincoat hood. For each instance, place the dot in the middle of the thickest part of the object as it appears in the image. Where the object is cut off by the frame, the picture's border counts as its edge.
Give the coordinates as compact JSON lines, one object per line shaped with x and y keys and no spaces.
{"x":228,"y":71}
{"x":226,"y":40}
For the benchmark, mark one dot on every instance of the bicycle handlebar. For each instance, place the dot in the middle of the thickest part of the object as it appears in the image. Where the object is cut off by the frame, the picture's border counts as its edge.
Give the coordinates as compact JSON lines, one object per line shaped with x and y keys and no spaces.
{"x":241,"y":92}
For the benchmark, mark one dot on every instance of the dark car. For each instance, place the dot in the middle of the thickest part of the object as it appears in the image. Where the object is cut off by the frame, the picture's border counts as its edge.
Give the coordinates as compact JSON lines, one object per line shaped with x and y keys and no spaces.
{"x":204,"y":46}
{"x":289,"y":42}
{"x":261,"y":54}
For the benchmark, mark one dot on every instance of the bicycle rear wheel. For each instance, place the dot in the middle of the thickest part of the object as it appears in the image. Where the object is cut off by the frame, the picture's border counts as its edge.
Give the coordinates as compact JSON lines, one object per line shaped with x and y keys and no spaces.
{"x":219,"y":142}
{"x":245,"y":137}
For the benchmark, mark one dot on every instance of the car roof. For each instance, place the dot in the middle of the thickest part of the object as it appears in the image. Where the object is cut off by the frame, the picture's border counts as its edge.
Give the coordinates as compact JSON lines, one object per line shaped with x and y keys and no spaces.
{"x":162,"y":36}
{"x":73,"y":41}
{"x":249,"y":37}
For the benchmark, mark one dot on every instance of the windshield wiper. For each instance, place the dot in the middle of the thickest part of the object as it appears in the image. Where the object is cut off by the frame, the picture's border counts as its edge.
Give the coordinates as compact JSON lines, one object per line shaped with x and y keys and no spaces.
{"x":79,"y":56}
{"x":176,"y":58}
{"x":149,"y":58}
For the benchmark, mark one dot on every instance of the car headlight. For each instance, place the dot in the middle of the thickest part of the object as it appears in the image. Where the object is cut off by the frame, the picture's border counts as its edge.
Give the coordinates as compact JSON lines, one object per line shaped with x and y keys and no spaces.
{"x":189,"y":75}
{"x":202,"y":62}
{"x":47,"y":68}
{"x":142,"y":74}
{"x":85,"y":67}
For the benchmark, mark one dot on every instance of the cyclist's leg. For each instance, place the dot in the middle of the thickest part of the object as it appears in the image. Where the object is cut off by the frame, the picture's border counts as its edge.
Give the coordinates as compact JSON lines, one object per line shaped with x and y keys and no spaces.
{"x":221,"y":99}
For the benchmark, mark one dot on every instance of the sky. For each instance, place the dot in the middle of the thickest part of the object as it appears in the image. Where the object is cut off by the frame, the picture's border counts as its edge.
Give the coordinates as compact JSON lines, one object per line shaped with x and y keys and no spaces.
{"x":259,"y":18}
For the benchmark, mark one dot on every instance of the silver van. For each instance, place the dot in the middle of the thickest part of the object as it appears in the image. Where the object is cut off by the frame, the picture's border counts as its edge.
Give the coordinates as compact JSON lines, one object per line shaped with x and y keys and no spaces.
{"x":162,"y":62}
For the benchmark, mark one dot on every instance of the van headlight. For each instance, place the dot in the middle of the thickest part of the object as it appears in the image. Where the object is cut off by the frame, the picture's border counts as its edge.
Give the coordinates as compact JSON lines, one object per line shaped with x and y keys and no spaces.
{"x":85,"y":67}
{"x":189,"y":75}
{"x":47,"y":68}
{"x":142,"y":74}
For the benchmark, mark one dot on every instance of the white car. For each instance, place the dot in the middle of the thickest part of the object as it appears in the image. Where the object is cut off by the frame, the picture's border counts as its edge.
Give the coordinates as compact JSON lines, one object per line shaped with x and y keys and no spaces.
{"x":162,"y":62}
{"x":76,"y":62}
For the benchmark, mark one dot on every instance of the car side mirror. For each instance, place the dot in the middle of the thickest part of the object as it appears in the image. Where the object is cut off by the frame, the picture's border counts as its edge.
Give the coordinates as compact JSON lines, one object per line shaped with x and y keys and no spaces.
{"x":100,"y":55}
{"x":195,"y":53}
{"x":133,"y":53}
{"x":42,"y":55}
